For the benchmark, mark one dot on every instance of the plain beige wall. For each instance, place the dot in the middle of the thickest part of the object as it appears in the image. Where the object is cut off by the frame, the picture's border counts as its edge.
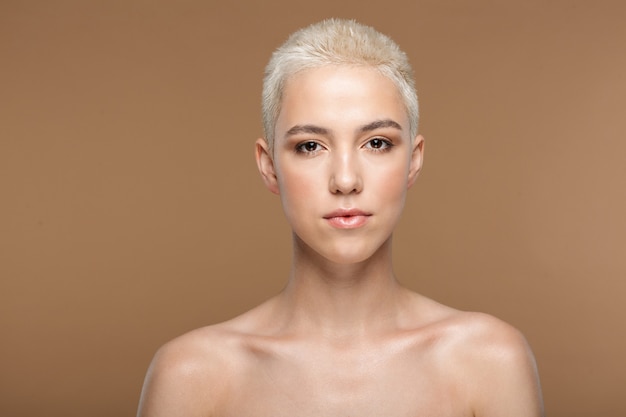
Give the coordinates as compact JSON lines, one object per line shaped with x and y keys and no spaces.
{"x":131,"y":210}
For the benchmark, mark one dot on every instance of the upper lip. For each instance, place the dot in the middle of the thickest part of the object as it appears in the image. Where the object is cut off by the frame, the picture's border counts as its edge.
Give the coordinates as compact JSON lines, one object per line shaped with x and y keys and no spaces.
{"x":346,"y":212}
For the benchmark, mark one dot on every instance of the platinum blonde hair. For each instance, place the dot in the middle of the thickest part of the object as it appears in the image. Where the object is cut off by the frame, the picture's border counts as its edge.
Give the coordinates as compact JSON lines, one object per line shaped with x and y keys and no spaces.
{"x":336,"y":42}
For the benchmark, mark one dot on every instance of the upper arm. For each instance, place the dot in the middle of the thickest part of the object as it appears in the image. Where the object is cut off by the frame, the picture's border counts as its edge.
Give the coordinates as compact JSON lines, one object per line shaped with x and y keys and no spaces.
{"x":178,"y":383}
{"x":506,"y":381}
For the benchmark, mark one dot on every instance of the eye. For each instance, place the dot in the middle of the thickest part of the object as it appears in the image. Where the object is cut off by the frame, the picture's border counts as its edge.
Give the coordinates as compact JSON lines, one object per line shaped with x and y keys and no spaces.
{"x":378,"y":144}
{"x":308,"y":147}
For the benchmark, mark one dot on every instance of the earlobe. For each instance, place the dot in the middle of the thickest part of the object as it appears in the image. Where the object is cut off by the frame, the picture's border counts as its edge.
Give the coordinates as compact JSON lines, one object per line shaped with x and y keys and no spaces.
{"x":417,"y":159}
{"x":265,"y":164}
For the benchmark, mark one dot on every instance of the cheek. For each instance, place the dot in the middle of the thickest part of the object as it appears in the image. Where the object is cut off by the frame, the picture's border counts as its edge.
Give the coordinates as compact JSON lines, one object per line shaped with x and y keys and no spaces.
{"x":391,"y":182}
{"x":296,"y":187}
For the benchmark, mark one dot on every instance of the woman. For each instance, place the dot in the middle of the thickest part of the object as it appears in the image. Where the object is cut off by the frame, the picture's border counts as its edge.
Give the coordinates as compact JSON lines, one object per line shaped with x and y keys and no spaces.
{"x":343,"y":338}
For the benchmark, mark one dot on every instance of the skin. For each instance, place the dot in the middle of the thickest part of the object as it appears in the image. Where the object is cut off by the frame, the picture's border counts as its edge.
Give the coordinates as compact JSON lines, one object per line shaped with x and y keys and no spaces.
{"x":344,"y":338}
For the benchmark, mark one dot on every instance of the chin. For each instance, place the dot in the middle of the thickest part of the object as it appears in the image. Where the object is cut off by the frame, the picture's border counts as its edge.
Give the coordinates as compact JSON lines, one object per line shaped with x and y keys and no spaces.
{"x":351,"y":256}
{"x":344,"y":251}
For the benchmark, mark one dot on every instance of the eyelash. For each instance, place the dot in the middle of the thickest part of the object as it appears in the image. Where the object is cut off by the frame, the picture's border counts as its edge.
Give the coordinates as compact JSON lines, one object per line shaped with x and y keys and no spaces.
{"x":300,"y":148}
{"x":385,"y":146}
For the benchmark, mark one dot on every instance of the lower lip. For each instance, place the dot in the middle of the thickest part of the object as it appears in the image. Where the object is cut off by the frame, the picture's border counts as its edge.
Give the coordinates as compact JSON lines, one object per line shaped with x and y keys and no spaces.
{"x":347,"y":222}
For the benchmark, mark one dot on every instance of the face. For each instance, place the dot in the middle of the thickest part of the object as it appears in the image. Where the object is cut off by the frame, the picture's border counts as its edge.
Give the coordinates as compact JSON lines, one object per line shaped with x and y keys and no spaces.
{"x":342,"y":161}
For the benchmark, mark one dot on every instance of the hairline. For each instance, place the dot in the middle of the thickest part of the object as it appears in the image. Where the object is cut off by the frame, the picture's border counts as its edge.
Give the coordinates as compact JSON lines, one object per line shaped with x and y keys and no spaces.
{"x":336,"y":42}
{"x":271,"y":135}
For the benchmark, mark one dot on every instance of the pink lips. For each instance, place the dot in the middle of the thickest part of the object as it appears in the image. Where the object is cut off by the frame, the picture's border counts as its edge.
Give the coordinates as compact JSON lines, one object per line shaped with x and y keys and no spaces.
{"x":347,"y":218}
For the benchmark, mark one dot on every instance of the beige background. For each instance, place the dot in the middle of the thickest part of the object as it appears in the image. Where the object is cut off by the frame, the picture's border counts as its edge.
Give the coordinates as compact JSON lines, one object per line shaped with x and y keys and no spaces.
{"x":131,"y":210}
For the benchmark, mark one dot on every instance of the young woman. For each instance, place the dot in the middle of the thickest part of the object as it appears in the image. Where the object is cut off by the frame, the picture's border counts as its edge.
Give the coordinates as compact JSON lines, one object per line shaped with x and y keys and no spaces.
{"x":343,"y":338}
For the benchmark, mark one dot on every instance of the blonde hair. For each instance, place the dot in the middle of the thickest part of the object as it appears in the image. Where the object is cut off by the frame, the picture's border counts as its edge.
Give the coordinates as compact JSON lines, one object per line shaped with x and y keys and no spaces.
{"x":336,"y":42}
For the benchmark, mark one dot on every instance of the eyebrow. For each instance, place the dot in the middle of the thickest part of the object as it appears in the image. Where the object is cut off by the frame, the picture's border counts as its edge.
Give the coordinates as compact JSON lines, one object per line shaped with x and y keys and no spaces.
{"x":311,"y":129}
{"x":379,"y":124}
{"x":318,"y":130}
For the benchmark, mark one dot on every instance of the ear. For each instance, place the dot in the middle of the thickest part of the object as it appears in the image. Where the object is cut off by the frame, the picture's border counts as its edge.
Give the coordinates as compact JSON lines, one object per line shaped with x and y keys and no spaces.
{"x":417,"y":159}
{"x":265,"y":163}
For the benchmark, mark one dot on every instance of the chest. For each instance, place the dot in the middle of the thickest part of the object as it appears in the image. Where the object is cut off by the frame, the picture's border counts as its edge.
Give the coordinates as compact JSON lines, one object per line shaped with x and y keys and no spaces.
{"x":343,"y":385}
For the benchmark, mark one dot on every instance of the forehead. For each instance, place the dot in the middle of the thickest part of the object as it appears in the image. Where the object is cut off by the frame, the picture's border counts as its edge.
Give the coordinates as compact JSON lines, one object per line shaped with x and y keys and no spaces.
{"x":340,"y":98}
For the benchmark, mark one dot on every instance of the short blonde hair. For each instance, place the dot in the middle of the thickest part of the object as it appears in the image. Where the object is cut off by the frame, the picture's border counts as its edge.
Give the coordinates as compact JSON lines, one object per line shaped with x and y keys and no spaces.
{"x":336,"y":42}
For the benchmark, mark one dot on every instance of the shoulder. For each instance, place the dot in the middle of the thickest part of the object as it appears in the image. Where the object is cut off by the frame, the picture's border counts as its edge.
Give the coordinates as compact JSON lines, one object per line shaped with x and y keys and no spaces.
{"x":487,"y":361}
{"x":195,"y":353}
{"x":193,"y":374}
{"x":489,"y":336}
{"x":189,"y":375}
{"x":467,"y":337}
{"x":467,"y":333}
{"x":496,"y":364}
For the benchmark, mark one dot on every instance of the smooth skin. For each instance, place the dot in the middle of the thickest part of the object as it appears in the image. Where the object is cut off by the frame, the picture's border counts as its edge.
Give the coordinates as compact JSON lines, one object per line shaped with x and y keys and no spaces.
{"x":344,"y":338}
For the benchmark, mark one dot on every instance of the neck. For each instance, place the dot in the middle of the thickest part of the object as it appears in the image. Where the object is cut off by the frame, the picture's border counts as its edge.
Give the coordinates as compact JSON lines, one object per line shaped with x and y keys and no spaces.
{"x":342,"y":299}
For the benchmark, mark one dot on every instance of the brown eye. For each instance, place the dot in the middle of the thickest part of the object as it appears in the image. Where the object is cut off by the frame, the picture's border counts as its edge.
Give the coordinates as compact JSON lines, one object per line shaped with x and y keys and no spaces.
{"x":377,"y":143}
{"x":308,"y":147}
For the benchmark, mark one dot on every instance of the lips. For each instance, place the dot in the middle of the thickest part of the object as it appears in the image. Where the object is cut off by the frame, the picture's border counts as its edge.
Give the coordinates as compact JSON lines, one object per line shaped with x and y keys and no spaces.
{"x":347,"y":218}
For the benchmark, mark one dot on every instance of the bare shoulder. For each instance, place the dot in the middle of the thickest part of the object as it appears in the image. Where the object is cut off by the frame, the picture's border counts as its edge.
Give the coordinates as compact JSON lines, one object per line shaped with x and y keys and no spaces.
{"x":488,"y":362}
{"x":469,"y":334}
{"x":488,"y":337}
{"x":495,"y":364}
{"x":189,"y":375}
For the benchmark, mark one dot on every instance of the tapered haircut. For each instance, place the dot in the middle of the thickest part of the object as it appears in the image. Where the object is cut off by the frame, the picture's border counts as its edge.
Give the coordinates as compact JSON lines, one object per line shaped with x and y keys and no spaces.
{"x":336,"y":42}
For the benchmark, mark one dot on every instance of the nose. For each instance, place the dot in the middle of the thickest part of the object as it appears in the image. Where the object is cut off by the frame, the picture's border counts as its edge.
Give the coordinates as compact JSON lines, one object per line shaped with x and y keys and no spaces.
{"x":345,"y":176}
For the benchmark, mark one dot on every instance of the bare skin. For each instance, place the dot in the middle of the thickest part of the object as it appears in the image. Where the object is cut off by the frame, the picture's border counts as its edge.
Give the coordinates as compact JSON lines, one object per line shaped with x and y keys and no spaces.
{"x":344,"y":338}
